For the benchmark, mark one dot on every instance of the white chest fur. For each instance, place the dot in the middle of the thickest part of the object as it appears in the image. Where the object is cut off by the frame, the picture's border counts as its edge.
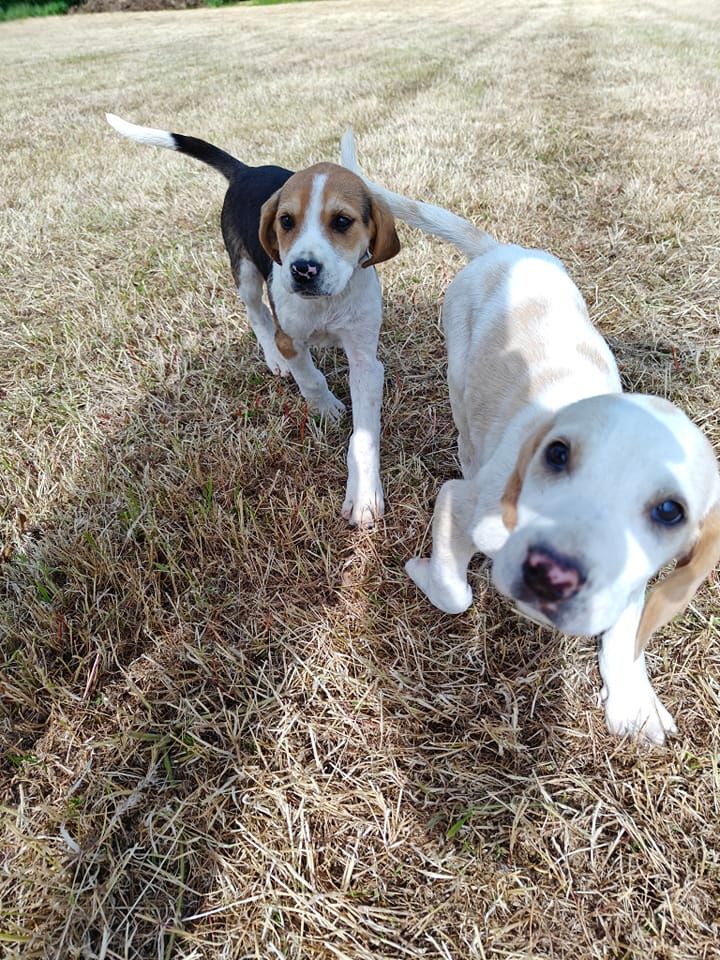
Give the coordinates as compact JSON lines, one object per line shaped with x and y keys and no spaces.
{"x":320,"y":320}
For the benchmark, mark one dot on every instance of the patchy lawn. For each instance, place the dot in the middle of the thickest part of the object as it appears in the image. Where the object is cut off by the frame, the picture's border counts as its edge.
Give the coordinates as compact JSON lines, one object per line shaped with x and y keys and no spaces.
{"x":231,"y":728}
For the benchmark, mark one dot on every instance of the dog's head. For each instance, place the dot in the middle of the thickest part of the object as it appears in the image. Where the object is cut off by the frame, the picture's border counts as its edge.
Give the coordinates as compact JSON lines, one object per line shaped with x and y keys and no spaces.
{"x":604,"y":494}
{"x":321,"y":225}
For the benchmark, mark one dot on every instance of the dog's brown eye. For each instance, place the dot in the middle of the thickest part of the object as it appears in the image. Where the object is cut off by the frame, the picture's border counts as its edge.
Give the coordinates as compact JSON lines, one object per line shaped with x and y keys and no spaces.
{"x":341,"y":223}
{"x":557,"y":455}
{"x":287,"y":222}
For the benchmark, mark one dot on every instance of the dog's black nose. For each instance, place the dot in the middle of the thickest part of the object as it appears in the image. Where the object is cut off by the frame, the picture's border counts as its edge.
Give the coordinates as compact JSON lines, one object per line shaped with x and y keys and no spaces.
{"x":550,"y":576}
{"x":305,"y":271}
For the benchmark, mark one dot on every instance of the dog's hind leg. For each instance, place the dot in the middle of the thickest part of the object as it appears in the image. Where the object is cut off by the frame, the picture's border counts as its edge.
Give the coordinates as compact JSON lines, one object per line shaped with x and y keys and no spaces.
{"x":466,"y":451}
{"x":250,"y":287}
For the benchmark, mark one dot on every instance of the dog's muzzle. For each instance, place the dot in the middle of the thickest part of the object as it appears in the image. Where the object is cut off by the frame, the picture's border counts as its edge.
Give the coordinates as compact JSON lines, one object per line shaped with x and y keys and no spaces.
{"x":549,"y":580}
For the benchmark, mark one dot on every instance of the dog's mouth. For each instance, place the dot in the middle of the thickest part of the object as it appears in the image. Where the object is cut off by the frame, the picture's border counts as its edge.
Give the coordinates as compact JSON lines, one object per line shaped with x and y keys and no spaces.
{"x":574,"y":621}
{"x":538,"y":613}
{"x":545,"y":612}
{"x":309,"y":294}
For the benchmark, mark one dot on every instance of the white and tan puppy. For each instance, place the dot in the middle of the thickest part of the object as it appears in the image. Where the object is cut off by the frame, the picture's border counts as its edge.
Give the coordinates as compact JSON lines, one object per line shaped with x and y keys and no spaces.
{"x":313,"y":238}
{"x":578,"y":492}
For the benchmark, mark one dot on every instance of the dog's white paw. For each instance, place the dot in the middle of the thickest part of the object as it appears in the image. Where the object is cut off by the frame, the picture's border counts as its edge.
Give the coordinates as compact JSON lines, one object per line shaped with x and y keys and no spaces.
{"x":447,"y":594}
{"x":276,"y":363}
{"x":362,"y":509}
{"x":641,"y":713}
{"x":327,"y":406}
{"x":279,"y":368}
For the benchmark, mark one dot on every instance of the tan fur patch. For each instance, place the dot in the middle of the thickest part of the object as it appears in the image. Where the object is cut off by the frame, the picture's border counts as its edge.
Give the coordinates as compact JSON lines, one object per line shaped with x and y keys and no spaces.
{"x":293,"y":201}
{"x":285,"y":344}
{"x":546,"y":377}
{"x":675,"y":592}
{"x":593,"y":355}
{"x":522,"y":373}
{"x":529,"y":311}
{"x":510,"y":497}
{"x":511,"y":494}
{"x":344,"y":194}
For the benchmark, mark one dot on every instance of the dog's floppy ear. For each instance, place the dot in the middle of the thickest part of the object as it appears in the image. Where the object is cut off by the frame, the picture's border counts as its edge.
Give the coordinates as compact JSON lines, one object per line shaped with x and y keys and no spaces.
{"x":509,"y":499}
{"x":384,"y":241}
{"x":675,"y":592}
{"x":267,"y":233}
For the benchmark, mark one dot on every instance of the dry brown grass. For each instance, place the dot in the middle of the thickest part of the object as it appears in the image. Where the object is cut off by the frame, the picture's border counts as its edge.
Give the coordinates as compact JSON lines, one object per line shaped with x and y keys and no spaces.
{"x":230,"y":725}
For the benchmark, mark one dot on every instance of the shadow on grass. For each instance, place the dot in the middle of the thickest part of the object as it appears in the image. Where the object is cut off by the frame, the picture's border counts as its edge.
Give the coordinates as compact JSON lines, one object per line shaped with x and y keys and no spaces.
{"x":227,"y":715}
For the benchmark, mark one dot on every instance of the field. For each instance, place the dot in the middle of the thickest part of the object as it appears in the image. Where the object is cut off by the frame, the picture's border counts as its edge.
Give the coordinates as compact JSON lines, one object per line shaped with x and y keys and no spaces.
{"x":230,"y":726}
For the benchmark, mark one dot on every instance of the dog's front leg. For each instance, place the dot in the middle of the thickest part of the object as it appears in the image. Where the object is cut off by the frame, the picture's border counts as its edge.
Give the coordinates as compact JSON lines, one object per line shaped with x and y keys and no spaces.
{"x":443,"y":577}
{"x":250,"y":287}
{"x":631,"y":705}
{"x":364,"y":502}
{"x":312,"y":384}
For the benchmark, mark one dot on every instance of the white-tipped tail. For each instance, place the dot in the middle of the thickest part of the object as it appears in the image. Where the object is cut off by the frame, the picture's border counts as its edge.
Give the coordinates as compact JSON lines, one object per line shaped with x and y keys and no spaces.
{"x":425,"y":216}
{"x":348,"y":153}
{"x":154,"y":138}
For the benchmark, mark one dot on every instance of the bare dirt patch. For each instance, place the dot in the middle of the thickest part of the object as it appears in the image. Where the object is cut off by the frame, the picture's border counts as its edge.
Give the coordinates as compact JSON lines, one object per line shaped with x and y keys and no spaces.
{"x":130,"y":6}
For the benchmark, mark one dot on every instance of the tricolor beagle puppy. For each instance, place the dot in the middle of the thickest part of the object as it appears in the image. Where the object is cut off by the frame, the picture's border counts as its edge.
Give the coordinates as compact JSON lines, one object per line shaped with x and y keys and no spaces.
{"x":578,"y":492}
{"x":311,"y":236}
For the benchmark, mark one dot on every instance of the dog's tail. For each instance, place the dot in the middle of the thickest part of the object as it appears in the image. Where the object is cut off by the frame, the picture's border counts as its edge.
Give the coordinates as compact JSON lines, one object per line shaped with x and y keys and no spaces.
{"x":425,"y":216}
{"x":224,"y":162}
